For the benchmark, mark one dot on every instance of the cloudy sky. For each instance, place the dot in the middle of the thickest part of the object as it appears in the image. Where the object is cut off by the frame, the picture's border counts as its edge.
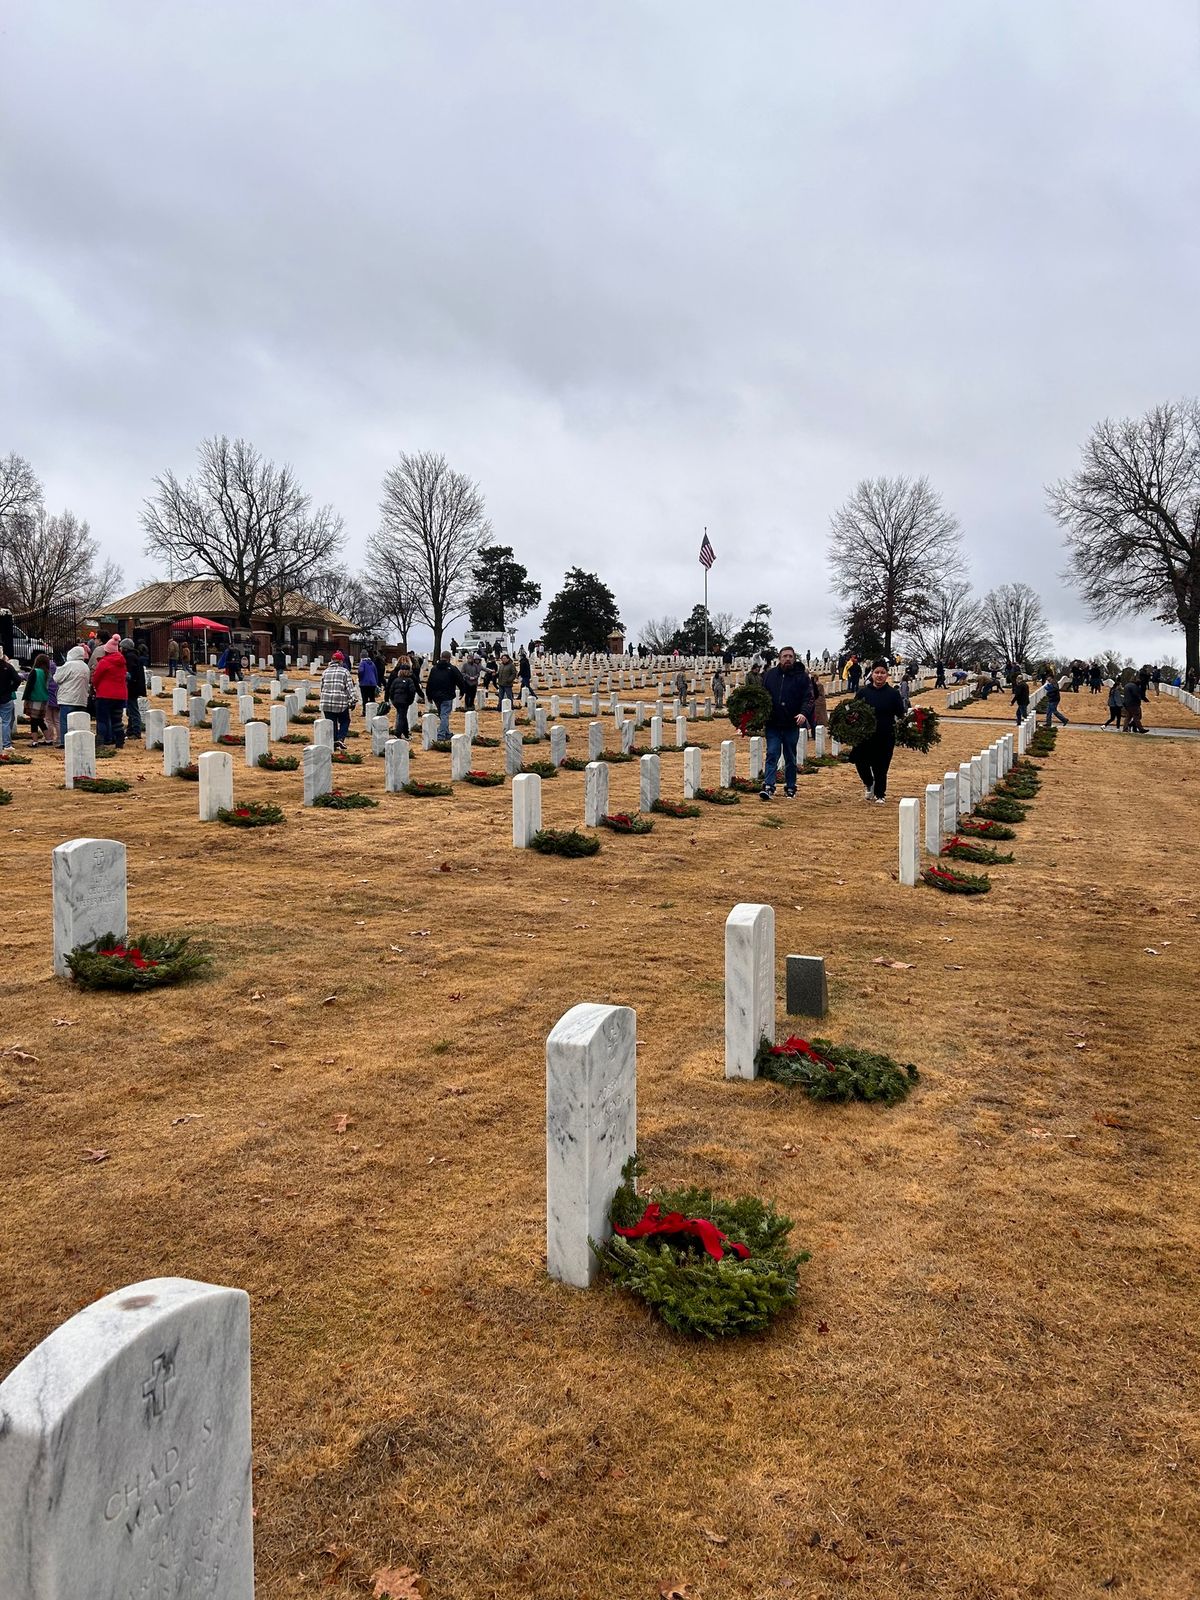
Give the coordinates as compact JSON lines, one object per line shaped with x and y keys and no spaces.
{"x":637,"y":268}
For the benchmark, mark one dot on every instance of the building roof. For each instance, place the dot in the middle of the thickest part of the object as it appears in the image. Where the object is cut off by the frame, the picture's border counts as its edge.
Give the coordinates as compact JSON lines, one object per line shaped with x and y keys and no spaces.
{"x":205,"y":597}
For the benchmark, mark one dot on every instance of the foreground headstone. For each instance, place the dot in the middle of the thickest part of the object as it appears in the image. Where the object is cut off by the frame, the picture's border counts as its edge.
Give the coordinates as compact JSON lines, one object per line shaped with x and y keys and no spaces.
{"x":79,"y":756}
{"x":591,"y":1132}
{"x":910,"y":849}
{"x":728,"y":761}
{"x":78,"y":722}
{"x":758,"y":756}
{"x":318,"y":772}
{"x":125,"y":1451}
{"x":691,"y":773}
{"x":807,"y":987}
{"x":527,"y":808}
{"x":933,"y":819}
{"x":216,"y":783}
{"x":88,"y":889}
{"x":395,"y":765}
{"x":595,"y":793}
{"x":257,"y":742}
{"x":650,"y":784}
{"x":749,"y":986}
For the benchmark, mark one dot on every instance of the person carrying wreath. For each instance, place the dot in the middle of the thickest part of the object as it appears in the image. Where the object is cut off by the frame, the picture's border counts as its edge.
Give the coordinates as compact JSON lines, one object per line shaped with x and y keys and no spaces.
{"x":873,"y":756}
{"x":791,"y":691}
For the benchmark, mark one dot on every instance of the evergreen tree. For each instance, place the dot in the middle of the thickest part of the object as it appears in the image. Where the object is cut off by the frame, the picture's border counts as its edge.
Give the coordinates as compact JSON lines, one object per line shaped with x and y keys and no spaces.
{"x":754,"y":635}
{"x":689,"y":640}
{"x":582,"y":614}
{"x":503,"y":589}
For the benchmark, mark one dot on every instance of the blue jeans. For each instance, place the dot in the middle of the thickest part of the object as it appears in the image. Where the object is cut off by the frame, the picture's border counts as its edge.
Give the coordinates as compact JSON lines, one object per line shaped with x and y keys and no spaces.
{"x":7,"y":712}
{"x":134,"y":728}
{"x":110,"y":722}
{"x":445,"y":707}
{"x":63,"y":713}
{"x":785,"y":740}
{"x":1052,"y":711}
{"x":341,"y":724}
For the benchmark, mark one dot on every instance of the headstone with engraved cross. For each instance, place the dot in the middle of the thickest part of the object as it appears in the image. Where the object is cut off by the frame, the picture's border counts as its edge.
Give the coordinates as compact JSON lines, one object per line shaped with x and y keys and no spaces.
{"x":125,"y":1451}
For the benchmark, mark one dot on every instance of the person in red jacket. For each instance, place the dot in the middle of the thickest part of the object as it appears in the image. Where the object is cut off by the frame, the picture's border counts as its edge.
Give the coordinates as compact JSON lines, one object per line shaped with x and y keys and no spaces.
{"x":110,"y":686}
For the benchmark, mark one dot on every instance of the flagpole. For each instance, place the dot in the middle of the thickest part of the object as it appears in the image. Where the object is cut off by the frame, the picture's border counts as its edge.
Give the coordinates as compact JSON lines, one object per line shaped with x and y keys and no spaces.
{"x":706,"y":599}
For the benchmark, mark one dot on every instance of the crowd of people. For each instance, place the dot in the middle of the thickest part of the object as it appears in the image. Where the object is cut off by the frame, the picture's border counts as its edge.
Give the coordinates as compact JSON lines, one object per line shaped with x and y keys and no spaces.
{"x":106,"y":678}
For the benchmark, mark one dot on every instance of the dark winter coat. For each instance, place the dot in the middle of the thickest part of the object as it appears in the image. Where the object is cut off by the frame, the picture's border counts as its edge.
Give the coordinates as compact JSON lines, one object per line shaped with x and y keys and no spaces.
{"x":791,"y":696}
{"x":402,"y":690}
{"x":135,"y":675}
{"x":444,"y":682}
{"x":887,"y":706}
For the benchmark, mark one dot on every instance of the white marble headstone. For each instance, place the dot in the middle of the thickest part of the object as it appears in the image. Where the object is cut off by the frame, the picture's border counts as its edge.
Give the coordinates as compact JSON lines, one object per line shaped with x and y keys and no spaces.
{"x":257,"y":743}
{"x":125,"y":1451}
{"x":595,"y":793}
{"x":691,"y":772}
{"x":595,"y":740}
{"x":910,"y":844}
{"x":216,"y":783}
{"x":88,"y":890}
{"x":79,"y":756}
{"x":591,"y":1131}
{"x":514,"y":752}
{"x":728,"y":761}
{"x":558,"y":745}
{"x":177,"y":753}
{"x":649,"y":781}
{"x":395,"y":765}
{"x":749,"y":986}
{"x":318,"y":771}
{"x":527,"y":808}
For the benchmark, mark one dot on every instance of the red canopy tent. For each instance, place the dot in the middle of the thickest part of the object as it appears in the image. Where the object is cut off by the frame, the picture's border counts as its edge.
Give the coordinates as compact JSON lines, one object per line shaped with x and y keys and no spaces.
{"x":199,"y":625}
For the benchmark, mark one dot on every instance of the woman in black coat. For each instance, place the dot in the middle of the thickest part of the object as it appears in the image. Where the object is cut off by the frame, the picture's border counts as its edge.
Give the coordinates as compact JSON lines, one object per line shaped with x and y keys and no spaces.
{"x":873,"y":756}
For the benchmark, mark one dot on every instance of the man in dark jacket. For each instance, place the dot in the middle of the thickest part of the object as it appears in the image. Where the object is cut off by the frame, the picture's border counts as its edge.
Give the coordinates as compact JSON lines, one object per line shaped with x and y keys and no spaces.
{"x":873,"y":756}
{"x":791,"y":691}
{"x":135,"y":679}
{"x":1020,"y":699}
{"x":443,"y":683}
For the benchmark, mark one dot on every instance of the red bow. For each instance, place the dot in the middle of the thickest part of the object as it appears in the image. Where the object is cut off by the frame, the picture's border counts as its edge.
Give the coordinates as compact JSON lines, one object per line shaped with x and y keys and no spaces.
{"x":744,"y":722}
{"x":709,"y":1235}
{"x":795,"y":1046}
{"x":133,"y":955}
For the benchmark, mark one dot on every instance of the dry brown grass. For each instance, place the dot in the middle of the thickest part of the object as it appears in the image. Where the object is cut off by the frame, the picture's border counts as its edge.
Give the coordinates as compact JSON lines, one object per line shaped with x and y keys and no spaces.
{"x":988,"y":1388}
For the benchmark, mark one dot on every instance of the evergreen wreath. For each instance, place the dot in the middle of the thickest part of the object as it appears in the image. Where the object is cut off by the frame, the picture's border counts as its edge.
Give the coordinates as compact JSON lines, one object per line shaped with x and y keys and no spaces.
{"x":148,"y":962}
{"x":270,"y":763}
{"x":5,"y":797}
{"x":745,"y":785}
{"x":616,"y":757}
{"x":623,"y":822}
{"x":748,"y":707}
{"x":675,"y":808}
{"x":10,"y":758}
{"x":842,"y":1072}
{"x":441,"y":744}
{"x":997,"y":809}
{"x":951,"y":882}
{"x":574,"y":764}
{"x":484,"y":780}
{"x":105,"y":752}
{"x":346,"y":758}
{"x":342,"y":800}
{"x":717,"y":797}
{"x":189,"y":772}
{"x":232,"y":738}
{"x":486,"y":744}
{"x":1020,"y":787}
{"x":256,"y":814}
{"x":564,"y":842}
{"x":532,"y":738}
{"x":102,"y":785}
{"x":920,"y":729}
{"x":426,"y":790}
{"x":985,"y":829}
{"x":982,"y":855}
{"x":851,"y":722}
{"x":707,"y":1267}
{"x":295,"y":738}
{"x":544,"y":769}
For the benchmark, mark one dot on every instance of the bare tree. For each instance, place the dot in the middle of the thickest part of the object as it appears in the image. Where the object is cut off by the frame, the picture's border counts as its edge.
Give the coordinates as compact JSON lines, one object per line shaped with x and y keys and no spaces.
{"x":392,"y":584}
{"x":45,"y":559}
{"x":658,"y":635}
{"x":20,"y":490}
{"x":243,"y":521}
{"x":337,"y":589}
{"x":951,"y":625}
{"x":1131,"y":519}
{"x":432,"y":519}
{"x":891,"y":544}
{"x":1014,"y":624}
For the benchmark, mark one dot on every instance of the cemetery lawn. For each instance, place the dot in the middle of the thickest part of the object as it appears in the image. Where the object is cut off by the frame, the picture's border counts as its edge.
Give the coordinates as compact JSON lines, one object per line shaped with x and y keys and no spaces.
{"x":988,"y":1387}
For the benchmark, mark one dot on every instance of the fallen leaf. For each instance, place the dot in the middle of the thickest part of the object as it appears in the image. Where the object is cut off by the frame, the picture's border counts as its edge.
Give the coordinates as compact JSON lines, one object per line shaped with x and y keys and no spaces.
{"x":63,"y":1022}
{"x":1107,"y":1120}
{"x":445,"y":867}
{"x":1149,"y":952}
{"x":278,"y":1042}
{"x":420,"y":933}
{"x":94,"y":1155}
{"x":20,"y":1055}
{"x":673,"y":1589}
{"x":715,"y":1538}
{"x":342,"y":1122}
{"x":188,"y":1116}
{"x":258,"y":995}
{"x":822,"y":1327}
{"x":898,"y":966}
{"x":398,"y":1583}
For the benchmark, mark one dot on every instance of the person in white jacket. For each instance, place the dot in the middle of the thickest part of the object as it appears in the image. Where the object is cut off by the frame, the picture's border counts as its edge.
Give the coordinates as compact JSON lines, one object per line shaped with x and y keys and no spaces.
{"x":74,"y":685}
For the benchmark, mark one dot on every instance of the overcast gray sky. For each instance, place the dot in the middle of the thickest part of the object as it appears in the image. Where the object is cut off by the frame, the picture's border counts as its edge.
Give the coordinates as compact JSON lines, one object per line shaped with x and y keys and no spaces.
{"x":636,"y":268}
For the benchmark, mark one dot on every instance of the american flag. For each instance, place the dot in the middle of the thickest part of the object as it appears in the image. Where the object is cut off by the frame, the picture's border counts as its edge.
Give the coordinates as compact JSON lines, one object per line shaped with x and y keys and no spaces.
{"x":707,"y":554}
